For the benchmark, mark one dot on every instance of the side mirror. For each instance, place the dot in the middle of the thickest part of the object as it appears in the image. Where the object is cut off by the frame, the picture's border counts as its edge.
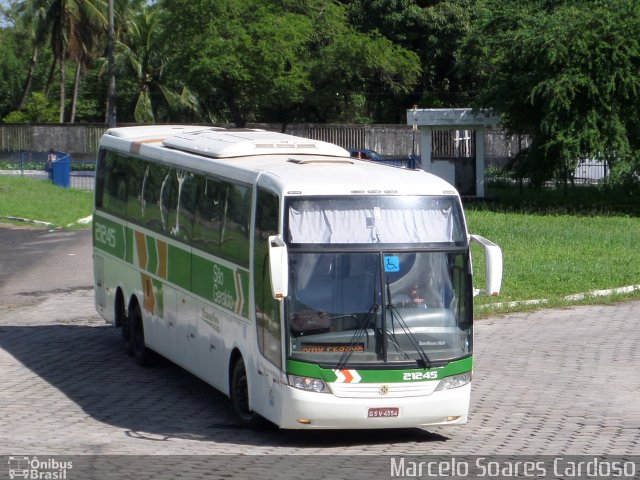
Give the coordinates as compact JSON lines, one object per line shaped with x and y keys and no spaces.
{"x":493,"y":259}
{"x":278,"y":267}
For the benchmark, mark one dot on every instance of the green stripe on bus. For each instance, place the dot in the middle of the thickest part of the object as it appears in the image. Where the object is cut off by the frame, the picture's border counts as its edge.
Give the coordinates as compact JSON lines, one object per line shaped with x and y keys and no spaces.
{"x":128,"y":234}
{"x":152,"y":255}
{"x":225,"y":286}
{"x":304,"y":369}
{"x":179,"y":267}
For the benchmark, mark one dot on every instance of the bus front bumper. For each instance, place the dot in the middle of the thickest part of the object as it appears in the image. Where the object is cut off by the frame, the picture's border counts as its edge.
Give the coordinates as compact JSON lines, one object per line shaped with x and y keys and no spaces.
{"x":309,"y":410}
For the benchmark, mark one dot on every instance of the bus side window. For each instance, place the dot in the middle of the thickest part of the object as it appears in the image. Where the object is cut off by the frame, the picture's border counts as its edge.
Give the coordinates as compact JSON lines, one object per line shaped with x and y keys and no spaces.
{"x":234,"y":236}
{"x":100,"y":171}
{"x":115,"y":184}
{"x":181,"y":215}
{"x":267,"y":308}
{"x":169,"y":200}
{"x":153,"y":217}
{"x":207,"y":215}
{"x":138,"y":173}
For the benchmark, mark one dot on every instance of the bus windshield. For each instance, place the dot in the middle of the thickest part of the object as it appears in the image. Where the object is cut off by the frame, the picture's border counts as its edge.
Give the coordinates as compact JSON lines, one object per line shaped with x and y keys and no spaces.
{"x":379,"y":307}
{"x":375,"y":220}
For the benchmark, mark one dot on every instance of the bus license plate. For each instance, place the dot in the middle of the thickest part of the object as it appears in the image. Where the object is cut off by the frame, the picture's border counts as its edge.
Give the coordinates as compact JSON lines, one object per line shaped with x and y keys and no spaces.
{"x":383,"y":412}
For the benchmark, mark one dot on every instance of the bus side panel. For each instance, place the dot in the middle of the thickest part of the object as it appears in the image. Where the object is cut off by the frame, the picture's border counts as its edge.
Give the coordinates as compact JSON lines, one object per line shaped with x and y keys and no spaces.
{"x":100,"y":289}
{"x":266,"y":395}
{"x":209,"y":355}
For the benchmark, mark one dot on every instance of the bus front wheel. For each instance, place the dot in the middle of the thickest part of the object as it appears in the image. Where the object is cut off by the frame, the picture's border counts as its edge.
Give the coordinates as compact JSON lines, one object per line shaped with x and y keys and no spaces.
{"x":240,"y":396}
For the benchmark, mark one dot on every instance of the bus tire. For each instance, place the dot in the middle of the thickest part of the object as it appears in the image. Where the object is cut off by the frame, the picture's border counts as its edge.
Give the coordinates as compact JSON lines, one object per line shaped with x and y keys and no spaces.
{"x":122,"y":321}
{"x":141,"y":354}
{"x":239,"y":394}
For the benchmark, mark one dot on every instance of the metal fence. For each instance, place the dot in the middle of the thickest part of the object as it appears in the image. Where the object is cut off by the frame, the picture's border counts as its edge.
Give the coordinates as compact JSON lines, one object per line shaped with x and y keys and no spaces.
{"x":19,"y":142}
{"x":586,"y":172}
{"x":40,"y":166}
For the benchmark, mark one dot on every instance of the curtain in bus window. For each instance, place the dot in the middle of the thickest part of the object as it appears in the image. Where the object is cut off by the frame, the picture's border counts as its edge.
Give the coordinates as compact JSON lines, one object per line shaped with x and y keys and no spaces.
{"x":311,"y":223}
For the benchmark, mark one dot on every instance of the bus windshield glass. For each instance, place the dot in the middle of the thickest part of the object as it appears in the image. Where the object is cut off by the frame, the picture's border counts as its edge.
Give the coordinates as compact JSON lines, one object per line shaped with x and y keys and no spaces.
{"x":365,"y":308}
{"x":375,"y":220}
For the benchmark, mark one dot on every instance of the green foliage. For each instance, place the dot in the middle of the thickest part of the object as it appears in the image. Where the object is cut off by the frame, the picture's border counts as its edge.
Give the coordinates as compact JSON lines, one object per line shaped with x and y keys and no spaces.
{"x":37,"y":109}
{"x":568,"y":74}
{"x":624,"y":178}
{"x":12,"y":69}
{"x":578,"y":200}
{"x":435,"y":33}
{"x":143,"y":60}
{"x":281,"y":61}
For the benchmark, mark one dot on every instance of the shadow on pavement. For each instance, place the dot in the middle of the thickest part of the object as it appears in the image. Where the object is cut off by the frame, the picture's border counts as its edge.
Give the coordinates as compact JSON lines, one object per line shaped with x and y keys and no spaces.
{"x":89,"y":366}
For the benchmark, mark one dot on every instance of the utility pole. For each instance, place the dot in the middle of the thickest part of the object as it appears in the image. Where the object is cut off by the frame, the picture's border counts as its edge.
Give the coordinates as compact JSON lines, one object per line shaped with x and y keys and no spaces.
{"x":111,"y":93}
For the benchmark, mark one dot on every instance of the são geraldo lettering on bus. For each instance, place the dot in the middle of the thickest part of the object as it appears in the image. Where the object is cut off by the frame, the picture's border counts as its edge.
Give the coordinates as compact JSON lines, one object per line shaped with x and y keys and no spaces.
{"x":221,"y":296}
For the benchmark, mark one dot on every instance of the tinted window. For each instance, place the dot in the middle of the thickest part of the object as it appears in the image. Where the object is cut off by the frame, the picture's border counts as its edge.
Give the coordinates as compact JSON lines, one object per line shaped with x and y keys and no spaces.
{"x":211,"y":213}
{"x":221,"y":216}
{"x":267,"y":308}
{"x":115,"y":192}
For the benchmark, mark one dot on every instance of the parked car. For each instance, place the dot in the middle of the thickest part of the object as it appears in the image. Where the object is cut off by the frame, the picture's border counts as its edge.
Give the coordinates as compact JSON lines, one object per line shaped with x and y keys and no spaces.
{"x":401,"y":161}
{"x":366,"y":154}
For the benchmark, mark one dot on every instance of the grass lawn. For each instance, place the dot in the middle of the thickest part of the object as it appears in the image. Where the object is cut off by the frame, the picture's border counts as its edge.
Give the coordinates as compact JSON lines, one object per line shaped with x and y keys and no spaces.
{"x":552,"y":249}
{"x":38,"y":200}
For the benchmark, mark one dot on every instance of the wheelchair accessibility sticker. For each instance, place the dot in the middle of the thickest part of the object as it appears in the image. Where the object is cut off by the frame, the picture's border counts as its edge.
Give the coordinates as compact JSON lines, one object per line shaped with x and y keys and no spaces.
{"x":391,"y":263}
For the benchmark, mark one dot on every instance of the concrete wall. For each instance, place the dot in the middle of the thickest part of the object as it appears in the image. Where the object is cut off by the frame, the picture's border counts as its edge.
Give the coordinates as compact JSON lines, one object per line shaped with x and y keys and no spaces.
{"x":81,"y":141}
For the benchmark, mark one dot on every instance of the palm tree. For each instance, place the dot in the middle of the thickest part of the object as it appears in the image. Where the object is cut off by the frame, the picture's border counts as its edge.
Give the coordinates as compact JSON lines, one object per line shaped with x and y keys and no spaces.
{"x":87,"y":45}
{"x":31,"y":19}
{"x":144,"y":60}
{"x":73,"y":27}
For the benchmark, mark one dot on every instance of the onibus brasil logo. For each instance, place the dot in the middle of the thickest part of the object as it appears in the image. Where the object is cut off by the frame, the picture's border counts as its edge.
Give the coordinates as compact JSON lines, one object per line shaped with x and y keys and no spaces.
{"x":33,"y":468}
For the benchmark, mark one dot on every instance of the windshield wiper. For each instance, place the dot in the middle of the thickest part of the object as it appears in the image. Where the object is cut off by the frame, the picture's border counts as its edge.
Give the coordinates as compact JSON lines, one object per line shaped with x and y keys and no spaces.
{"x":344,"y":358}
{"x":423,"y":361}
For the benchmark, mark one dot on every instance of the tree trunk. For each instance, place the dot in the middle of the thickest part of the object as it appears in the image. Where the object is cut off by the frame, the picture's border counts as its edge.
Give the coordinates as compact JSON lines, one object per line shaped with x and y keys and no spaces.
{"x":52,"y":71}
{"x":62,"y":92}
{"x":76,"y":87}
{"x":27,"y":84}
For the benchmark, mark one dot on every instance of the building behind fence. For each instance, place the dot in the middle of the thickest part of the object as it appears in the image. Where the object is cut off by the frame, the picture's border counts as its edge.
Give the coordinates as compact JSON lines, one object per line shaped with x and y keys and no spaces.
{"x":32,"y":142}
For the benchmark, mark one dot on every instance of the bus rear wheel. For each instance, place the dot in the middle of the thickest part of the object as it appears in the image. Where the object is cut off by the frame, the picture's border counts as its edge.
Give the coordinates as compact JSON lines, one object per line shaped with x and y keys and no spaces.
{"x":240,"y":396}
{"x":141,"y":354}
{"x":122,"y":321}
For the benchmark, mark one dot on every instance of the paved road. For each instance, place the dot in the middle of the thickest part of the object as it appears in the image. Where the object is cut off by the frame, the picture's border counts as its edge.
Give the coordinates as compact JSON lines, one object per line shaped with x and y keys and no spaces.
{"x":557,"y":382}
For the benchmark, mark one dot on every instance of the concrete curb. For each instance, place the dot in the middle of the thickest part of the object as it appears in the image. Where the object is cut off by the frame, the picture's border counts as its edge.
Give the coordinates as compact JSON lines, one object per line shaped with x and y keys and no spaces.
{"x":574,"y":297}
{"x":28,"y":220}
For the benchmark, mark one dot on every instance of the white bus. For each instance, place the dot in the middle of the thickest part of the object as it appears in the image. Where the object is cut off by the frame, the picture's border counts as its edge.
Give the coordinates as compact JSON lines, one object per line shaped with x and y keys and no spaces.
{"x":314,"y":289}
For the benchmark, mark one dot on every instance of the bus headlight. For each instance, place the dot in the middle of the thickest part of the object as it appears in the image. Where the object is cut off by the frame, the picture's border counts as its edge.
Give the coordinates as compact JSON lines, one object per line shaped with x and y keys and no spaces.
{"x":454,"y":381}
{"x":309,"y":384}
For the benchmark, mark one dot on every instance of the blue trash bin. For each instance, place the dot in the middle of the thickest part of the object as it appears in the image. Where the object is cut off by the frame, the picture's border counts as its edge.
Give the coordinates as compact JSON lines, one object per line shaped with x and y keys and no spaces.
{"x":61,"y":169}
